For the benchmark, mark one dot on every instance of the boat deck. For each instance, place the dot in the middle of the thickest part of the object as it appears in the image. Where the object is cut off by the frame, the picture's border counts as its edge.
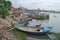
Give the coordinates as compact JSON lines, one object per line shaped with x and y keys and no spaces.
{"x":29,"y":29}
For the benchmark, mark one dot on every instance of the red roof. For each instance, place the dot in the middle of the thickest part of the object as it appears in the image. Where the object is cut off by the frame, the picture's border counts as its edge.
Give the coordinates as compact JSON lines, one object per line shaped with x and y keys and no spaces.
{"x":14,"y":9}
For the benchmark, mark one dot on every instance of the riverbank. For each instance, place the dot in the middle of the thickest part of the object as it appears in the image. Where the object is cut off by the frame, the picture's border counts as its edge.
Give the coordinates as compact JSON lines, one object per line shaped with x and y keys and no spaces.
{"x":14,"y":34}
{"x":5,"y":35}
{"x":17,"y":33}
{"x":57,"y":36}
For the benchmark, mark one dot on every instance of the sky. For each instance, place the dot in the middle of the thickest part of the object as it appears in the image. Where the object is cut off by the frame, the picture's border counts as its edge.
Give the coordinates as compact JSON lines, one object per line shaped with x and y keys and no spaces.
{"x":35,"y":4}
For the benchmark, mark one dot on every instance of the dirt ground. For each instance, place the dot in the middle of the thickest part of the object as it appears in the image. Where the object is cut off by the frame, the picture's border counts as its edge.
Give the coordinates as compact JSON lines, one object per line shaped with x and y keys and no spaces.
{"x":4,"y":34}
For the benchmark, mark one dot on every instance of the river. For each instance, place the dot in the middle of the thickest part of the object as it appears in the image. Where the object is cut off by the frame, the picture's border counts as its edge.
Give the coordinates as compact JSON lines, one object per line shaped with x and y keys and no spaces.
{"x":54,"y":21}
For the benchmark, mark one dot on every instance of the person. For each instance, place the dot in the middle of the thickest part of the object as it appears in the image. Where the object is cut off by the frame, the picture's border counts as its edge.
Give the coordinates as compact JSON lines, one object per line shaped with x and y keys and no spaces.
{"x":38,"y":27}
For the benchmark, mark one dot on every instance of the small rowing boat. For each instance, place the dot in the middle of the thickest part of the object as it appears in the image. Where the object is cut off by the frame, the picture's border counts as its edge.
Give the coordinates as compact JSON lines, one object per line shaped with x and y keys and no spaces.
{"x":33,"y":30}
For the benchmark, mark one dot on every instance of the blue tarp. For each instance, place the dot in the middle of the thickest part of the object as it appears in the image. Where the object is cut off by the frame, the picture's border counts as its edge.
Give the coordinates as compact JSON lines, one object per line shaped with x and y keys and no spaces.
{"x":46,"y":29}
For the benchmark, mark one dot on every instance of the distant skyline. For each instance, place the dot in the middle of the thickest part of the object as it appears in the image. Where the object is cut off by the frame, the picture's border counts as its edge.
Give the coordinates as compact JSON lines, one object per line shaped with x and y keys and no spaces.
{"x":35,"y":4}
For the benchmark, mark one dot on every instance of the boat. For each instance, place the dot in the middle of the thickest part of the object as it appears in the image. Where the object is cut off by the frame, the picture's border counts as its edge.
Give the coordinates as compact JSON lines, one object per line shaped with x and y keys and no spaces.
{"x":33,"y":30}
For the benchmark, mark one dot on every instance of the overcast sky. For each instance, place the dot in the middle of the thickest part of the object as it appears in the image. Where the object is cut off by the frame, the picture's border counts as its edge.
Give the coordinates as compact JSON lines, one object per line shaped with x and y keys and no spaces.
{"x":34,"y":4}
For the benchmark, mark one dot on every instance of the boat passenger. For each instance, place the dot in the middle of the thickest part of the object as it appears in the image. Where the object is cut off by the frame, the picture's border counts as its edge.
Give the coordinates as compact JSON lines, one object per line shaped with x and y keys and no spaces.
{"x":38,"y":27}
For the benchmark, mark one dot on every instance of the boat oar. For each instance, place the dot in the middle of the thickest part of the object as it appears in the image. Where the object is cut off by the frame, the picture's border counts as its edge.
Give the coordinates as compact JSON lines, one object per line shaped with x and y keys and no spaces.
{"x":11,"y":29}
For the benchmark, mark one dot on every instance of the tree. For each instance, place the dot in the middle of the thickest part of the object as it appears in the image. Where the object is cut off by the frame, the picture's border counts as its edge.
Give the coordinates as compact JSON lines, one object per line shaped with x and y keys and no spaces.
{"x":4,"y":8}
{"x":7,"y":4}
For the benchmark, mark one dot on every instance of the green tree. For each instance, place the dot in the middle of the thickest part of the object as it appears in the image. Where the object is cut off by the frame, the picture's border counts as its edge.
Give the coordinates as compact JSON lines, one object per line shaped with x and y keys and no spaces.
{"x":4,"y":8}
{"x":7,"y":4}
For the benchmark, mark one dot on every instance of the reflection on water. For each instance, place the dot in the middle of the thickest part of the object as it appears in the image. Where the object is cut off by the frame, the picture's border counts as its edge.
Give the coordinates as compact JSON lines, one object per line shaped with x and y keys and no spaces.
{"x":54,"y":20}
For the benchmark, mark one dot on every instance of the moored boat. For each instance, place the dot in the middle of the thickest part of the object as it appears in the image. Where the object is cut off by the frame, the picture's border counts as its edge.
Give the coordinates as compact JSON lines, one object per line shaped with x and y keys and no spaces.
{"x":33,"y":30}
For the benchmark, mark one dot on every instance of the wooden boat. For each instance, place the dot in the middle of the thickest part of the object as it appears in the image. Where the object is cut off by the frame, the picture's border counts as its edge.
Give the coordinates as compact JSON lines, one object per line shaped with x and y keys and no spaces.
{"x":33,"y":30}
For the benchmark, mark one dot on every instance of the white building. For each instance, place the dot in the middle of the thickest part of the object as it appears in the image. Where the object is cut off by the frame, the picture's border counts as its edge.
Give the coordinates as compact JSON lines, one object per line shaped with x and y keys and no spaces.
{"x":43,"y":13}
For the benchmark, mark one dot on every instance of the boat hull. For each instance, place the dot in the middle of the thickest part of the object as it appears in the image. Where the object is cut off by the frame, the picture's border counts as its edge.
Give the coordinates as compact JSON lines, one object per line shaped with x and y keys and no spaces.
{"x":35,"y":33}
{"x":46,"y":30}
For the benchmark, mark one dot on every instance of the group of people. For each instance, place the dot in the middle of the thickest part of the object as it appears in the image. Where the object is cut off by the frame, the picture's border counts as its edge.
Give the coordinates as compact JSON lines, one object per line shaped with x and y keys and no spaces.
{"x":20,"y":20}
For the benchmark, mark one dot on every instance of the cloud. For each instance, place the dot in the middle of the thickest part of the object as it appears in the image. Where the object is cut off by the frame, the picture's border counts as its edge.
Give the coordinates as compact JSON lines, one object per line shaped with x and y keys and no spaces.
{"x":42,"y":4}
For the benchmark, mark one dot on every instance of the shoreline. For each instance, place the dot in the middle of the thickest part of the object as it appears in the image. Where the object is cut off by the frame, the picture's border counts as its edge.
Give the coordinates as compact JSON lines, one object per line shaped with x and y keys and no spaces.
{"x":5,"y":23}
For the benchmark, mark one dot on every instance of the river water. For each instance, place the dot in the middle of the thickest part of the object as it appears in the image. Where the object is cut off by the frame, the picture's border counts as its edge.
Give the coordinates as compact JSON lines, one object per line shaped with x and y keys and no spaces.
{"x":54,"y":21}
